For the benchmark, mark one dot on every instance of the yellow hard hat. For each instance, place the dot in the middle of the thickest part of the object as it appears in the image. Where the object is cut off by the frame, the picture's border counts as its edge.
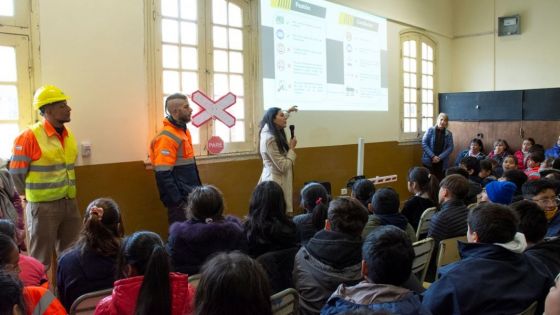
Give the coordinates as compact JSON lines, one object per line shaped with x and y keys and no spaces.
{"x":48,"y":94}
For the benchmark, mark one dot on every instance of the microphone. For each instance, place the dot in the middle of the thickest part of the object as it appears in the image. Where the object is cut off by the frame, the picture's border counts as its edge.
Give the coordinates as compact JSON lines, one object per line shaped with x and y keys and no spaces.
{"x":292,"y":129}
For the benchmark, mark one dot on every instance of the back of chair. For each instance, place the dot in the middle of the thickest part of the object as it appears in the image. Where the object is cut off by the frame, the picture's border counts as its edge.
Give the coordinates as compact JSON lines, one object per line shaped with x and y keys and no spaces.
{"x":449,"y":251}
{"x":530,"y":310}
{"x":194,"y":280}
{"x":285,"y":302}
{"x":424,"y":224}
{"x":85,"y":304}
{"x":422,"y":254}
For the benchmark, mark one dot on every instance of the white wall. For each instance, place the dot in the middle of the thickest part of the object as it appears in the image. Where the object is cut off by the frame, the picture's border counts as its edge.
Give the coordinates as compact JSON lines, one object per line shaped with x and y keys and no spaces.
{"x":484,"y":61}
{"x":94,"y":50}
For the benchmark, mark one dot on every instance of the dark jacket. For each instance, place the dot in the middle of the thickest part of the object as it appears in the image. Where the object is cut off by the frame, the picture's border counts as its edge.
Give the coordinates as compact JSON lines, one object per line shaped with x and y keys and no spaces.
{"x":450,"y":221}
{"x":329,"y":259}
{"x":428,"y":144}
{"x":275,"y":235}
{"x":305,"y":228}
{"x":376,"y":297}
{"x":548,"y":252}
{"x":279,"y":266}
{"x":193,"y":241}
{"x":554,"y":226}
{"x":413,"y":209}
{"x":489,"y":279}
{"x":395,"y":219}
{"x":78,"y":274}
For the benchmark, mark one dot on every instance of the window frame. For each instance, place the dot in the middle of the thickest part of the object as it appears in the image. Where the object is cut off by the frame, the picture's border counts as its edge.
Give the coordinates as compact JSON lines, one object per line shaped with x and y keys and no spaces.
{"x":205,"y":74}
{"x":17,"y":31}
{"x":21,"y":18}
{"x":420,"y":38}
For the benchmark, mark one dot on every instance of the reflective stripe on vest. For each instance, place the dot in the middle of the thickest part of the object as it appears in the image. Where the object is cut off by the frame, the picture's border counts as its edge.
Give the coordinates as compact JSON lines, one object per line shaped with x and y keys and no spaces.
{"x":180,"y":160}
{"x":43,"y":304}
{"x":52,"y":176}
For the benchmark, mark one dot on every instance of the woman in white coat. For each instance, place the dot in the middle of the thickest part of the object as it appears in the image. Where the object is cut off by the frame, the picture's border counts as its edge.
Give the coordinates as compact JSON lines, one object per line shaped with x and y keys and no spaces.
{"x":277,"y":152}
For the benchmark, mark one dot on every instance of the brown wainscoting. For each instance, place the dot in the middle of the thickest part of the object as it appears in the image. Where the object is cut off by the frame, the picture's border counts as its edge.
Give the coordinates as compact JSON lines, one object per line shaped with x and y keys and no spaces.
{"x":133,"y":186}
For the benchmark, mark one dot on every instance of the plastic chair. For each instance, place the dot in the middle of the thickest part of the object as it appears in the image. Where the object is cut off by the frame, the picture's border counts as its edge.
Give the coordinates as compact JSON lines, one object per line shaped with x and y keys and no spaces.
{"x":85,"y":304}
{"x":194,"y":280}
{"x":530,"y":310}
{"x":422,"y":253}
{"x":285,"y":302}
{"x":424,"y":224}
{"x":449,"y":251}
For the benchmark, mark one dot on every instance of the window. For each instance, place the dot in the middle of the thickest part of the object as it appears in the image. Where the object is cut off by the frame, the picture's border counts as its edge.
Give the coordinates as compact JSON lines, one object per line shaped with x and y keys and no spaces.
{"x":418,"y":64}
{"x":206,"y":45}
{"x":15,"y":88}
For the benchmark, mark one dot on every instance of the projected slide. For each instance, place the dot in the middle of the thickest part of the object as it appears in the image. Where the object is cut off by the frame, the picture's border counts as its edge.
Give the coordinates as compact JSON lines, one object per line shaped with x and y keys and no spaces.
{"x":323,"y":56}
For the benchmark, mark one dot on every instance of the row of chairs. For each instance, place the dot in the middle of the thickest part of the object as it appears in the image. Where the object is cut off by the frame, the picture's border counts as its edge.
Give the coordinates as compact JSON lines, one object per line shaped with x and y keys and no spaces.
{"x":448,"y":252}
{"x":283,"y":303}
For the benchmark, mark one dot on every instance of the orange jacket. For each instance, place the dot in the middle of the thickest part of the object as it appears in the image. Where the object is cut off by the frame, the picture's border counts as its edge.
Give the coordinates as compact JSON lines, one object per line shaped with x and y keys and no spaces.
{"x":172,"y":156}
{"x":41,"y":301}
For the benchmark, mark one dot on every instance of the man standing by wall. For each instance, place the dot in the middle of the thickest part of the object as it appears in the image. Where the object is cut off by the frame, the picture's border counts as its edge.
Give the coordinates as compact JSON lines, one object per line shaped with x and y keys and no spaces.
{"x":172,"y":156}
{"x":42,"y":166}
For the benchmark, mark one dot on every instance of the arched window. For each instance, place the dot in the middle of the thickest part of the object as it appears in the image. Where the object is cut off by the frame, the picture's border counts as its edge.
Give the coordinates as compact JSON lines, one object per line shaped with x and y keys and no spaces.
{"x":418,"y":84}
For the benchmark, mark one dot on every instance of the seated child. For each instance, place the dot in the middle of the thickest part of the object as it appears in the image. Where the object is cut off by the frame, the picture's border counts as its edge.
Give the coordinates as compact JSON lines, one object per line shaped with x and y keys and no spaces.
{"x":387,"y":260}
{"x":315,"y":201}
{"x":332,"y":256}
{"x":493,"y":275}
{"x":33,"y":272}
{"x":38,"y":300}
{"x":517,"y":177}
{"x":498,"y":192}
{"x":385,"y":211}
{"x":90,"y":264}
{"x":363,"y":190}
{"x":425,"y":188}
{"x":233,"y":283}
{"x":533,"y":224}
{"x":450,"y":220}
{"x":543,"y":192}
{"x":205,"y":232}
{"x":509,"y":163}
{"x":534,"y":165}
{"x":485,"y":173}
{"x":146,"y":285}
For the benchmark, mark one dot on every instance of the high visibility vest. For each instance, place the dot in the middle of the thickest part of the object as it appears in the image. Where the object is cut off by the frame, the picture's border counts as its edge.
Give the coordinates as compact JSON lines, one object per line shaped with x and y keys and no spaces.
{"x":52,"y":176}
{"x":40,"y":301}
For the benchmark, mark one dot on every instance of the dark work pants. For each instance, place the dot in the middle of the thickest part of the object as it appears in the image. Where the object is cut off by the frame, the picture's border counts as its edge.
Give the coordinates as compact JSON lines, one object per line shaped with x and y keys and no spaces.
{"x":176,"y":214}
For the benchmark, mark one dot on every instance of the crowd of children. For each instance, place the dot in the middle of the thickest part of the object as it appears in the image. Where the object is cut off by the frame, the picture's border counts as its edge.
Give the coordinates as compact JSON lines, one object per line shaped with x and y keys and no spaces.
{"x":348,"y":255}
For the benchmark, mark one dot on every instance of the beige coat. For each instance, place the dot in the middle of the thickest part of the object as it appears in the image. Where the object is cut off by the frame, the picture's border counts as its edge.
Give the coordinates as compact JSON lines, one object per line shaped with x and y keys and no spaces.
{"x":277,"y":166}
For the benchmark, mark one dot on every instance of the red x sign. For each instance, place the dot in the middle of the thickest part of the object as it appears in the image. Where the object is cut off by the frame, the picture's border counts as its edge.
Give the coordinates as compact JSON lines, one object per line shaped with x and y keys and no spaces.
{"x":213,"y":109}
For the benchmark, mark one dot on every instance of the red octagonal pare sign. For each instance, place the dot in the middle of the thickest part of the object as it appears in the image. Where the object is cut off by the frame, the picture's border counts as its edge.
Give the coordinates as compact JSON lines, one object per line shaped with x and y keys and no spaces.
{"x":215,"y":145}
